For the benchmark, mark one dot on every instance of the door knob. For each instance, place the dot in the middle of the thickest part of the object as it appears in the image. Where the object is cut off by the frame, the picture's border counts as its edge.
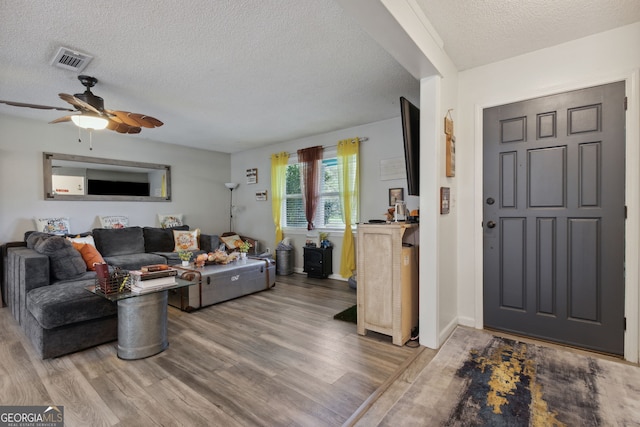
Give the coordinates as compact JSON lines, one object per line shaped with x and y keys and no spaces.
{"x":491,"y":224}
{"x":490,"y":201}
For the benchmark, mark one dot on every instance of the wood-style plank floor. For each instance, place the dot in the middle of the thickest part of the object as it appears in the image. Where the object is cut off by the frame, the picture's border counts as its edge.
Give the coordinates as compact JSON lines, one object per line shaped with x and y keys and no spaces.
{"x":275,"y":358}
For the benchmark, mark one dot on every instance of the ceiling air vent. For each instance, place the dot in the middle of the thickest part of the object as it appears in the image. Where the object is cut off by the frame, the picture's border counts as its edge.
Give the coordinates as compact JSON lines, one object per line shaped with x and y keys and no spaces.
{"x":71,"y":60}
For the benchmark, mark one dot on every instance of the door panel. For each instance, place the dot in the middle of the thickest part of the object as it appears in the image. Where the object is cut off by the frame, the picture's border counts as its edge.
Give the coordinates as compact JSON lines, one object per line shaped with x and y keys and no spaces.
{"x":554,"y":217}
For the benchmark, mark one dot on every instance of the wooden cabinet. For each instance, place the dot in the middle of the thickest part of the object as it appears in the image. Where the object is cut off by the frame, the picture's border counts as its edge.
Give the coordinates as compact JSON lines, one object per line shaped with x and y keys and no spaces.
{"x":387,"y":290}
{"x":318,"y":262}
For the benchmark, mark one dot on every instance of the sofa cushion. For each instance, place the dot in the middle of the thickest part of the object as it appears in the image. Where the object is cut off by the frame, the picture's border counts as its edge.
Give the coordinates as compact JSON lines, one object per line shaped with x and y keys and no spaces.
{"x":65,"y":303}
{"x":160,"y":239}
{"x":134,"y":261}
{"x":65,"y":261}
{"x":118,"y":241}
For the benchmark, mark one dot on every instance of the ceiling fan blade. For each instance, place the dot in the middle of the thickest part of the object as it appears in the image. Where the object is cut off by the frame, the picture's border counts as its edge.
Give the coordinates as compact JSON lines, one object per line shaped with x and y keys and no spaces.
{"x":122,"y":127}
{"x":39,"y":107}
{"x":135,"y":119}
{"x":78,"y":103}
{"x":147,"y":121}
{"x":61,"y":119}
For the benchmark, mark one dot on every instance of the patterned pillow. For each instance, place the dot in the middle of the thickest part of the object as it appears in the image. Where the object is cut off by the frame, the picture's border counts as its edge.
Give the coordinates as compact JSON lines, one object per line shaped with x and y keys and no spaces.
{"x":232,"y":242}
{"x":186,"y":240}
{"x":170,"y":220}
{"x":114,"y":221}
{"x":58,"y":225}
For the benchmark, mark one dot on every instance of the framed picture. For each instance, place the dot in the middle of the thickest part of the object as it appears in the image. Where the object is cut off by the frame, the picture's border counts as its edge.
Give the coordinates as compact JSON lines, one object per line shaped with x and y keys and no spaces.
{"x":252,"y":176}
{"x":396,"y":195}
{"x":261,"y":195}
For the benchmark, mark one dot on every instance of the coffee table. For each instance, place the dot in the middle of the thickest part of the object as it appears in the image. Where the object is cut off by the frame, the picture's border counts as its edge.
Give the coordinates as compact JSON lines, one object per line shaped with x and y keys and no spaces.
{"x":222,"y":282}
{"x":142,"y":320}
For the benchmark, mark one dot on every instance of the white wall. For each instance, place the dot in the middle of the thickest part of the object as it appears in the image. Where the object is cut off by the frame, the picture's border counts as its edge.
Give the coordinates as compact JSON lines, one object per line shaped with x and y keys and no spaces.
{"x":602,"y":58}
{"x":254,"y":218}
{"x":448,"y":223}
{"x":197,"y":178}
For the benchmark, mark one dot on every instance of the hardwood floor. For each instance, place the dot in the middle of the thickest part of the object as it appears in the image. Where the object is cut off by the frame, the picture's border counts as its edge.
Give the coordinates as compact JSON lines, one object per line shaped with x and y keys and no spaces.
{"x":275,"y":358}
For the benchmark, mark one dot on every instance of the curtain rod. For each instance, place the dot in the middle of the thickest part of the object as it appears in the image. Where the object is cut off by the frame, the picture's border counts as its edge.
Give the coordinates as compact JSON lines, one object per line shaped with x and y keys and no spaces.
{"x":324,"y":147}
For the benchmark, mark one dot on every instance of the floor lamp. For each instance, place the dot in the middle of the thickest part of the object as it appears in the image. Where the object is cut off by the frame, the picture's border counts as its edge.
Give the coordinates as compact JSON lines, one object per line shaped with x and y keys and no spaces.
{"x":231,"y":186}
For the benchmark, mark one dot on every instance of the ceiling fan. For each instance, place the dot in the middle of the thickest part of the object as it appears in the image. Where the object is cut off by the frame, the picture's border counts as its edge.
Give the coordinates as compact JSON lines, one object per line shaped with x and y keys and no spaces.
{"x":92,"y":114}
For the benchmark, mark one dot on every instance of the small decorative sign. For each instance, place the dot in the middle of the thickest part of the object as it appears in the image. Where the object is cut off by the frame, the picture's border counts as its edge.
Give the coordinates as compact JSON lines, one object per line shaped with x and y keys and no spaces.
{"x":261,"y":195}
{"x":252,"y":176}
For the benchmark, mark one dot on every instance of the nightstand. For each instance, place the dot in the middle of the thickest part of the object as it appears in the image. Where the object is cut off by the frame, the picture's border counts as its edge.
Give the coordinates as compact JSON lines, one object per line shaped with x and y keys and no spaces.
{"x":318,"y":262}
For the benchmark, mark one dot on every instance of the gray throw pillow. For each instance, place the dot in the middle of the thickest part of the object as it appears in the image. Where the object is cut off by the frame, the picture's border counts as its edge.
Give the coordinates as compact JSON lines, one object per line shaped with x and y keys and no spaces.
{"x":35,"y":238}
{"x":65,"y":261}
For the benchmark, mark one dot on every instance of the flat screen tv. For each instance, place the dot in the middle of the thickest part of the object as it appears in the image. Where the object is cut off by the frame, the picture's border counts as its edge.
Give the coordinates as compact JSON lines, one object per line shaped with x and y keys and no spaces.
{"x":120,"y":188}
{"x":410,"y":115}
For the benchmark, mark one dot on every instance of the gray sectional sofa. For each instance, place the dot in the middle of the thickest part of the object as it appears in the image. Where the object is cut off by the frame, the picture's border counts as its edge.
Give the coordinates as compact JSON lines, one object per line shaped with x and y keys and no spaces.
{"x":46,"y":282}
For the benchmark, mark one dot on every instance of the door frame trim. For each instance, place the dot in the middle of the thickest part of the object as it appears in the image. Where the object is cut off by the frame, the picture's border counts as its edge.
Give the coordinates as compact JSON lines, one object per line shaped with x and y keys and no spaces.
{"x":632,"y":196}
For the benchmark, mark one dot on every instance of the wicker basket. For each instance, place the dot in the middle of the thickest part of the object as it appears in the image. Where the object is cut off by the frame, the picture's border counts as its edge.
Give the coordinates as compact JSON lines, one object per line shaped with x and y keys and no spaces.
{"x":115,"y":283}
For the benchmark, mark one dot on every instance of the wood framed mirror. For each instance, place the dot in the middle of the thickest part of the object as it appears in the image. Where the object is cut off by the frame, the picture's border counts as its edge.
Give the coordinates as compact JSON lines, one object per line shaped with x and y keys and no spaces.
{"x":71,"y":177}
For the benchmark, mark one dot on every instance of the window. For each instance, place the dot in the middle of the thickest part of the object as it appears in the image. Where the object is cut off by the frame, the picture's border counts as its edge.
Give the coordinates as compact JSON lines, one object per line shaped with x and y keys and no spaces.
{"x":329,"y":212}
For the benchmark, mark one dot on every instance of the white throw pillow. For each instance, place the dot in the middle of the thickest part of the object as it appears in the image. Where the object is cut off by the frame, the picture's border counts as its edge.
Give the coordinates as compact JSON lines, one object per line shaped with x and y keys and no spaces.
{"x":114,"y":221}
{"x":86,"y":239}
{"x":59,"y":225}
{"x":170,"y":220}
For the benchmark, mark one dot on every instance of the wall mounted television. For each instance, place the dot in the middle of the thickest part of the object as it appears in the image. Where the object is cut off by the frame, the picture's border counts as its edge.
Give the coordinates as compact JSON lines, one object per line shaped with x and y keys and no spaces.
{"x":410,"y":115}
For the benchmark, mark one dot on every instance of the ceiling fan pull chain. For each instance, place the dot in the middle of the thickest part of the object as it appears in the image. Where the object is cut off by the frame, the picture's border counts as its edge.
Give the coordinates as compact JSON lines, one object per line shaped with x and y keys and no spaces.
{"x":90,"y":139}
{"x":79,"y":135}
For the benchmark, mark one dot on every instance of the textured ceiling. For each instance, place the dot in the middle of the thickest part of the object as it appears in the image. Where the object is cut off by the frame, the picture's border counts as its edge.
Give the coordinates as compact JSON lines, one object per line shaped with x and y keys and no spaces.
{"x":479,"y":32}
{"x":222,"y":75}
{"x":237,"y":74}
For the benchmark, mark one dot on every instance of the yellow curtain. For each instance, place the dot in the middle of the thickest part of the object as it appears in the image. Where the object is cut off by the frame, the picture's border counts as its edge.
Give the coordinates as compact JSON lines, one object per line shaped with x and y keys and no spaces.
{"x":348,"y":152}
{"x":279,"y":163}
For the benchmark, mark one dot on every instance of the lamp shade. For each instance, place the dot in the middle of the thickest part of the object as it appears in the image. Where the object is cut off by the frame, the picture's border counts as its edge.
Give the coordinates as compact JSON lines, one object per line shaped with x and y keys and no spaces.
{"x":90,"y":121}
{"x":231,"y":185}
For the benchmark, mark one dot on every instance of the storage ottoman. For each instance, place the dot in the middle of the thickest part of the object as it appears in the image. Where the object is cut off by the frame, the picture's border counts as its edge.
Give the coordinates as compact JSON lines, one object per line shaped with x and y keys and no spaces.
{"x":222,"y":282}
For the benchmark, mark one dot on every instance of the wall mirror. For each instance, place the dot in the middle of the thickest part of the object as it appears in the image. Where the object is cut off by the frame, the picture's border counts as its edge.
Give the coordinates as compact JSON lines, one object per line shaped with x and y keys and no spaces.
{"x":70,"y":177}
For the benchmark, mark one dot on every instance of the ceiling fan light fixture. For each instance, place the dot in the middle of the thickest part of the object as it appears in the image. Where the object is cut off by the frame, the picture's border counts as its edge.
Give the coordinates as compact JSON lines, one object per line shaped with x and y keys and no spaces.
{"x":90,"y":121}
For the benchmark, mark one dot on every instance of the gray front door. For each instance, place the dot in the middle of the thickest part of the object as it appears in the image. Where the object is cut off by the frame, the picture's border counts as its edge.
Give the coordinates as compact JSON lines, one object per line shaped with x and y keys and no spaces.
{"x":554,"y":213}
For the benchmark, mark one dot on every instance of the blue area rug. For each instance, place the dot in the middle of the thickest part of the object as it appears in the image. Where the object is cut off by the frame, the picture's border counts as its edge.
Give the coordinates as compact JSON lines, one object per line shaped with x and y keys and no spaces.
{"x":478,"y":379}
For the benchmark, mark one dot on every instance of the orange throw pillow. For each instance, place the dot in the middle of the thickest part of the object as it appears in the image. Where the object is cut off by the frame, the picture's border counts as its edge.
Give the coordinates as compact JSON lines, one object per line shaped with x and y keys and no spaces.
{"x":89,"y":253}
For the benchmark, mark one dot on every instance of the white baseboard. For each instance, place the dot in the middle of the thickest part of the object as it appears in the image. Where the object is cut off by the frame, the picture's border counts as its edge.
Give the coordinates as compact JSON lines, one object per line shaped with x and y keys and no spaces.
{"x":447,"y":330}
{"x":467,"y":321}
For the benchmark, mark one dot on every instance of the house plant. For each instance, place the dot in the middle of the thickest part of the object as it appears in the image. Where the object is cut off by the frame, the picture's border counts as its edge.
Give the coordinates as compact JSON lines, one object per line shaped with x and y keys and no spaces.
{"x":244,"y":248}
{"x":185,"y":257}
